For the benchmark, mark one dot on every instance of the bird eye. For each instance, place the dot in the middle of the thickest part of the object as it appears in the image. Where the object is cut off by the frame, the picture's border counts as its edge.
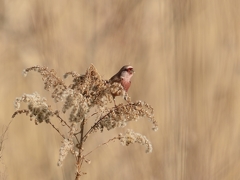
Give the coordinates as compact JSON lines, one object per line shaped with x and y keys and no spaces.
{"x":130,"y":70}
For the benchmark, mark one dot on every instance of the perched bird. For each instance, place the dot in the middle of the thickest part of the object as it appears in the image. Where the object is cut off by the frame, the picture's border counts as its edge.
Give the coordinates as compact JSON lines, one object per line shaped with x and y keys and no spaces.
{"x":123,"y":77}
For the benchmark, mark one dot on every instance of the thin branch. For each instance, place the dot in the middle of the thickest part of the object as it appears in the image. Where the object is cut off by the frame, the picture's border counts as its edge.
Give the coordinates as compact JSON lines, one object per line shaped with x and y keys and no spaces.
{"x":87,"y":118}
{"x":92,"y":115}
{"x":92,"y":128}
{"x":100,"y":146}
{"x":6,"y":129}
{"x":80,"y":159}
{"x":62,"y":121}
{"x":2,"y":137}
{"x":56,"y":129}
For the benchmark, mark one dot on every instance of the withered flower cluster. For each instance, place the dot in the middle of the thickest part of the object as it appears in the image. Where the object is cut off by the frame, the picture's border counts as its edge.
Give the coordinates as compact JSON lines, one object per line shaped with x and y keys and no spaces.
{"x":37,"y":107}
{"x":86,"y":93}
{"x":131,"y":137}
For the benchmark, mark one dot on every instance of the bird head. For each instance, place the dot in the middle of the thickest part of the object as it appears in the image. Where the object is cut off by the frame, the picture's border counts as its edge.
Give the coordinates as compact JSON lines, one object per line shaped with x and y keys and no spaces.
{"x":126,"y":72}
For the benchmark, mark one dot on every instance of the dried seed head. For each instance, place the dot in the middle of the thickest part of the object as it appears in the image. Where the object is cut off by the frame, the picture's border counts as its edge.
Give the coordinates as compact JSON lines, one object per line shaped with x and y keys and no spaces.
{"x":88,"y":91}
{"x":131,"y":137}
{"x":67,"y":145}
{"x":37,"y":107}
{"x":122,"y":114}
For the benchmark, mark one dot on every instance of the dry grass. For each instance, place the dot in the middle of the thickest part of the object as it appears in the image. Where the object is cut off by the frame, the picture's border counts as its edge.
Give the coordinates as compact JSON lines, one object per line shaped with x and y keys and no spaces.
{"x":186,"y":53}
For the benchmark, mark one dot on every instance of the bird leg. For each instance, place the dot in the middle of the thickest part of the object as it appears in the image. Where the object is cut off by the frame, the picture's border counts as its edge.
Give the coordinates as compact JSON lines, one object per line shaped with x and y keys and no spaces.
{"x":114,"y":102}
{"x":127,"y":98}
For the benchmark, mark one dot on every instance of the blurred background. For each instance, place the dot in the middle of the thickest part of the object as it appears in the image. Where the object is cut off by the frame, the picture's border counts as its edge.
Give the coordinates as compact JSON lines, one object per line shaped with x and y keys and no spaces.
{"x":187,"y":61}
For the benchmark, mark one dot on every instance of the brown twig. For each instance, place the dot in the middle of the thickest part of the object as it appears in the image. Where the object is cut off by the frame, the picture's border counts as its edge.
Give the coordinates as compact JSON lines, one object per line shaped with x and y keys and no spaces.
{"x":56,"y":129}
{"x":2,"y":139}
{"x":6,"y":129}
{"x":100,"y":146}
{"x":87,"y":118}
{"x":80,"y":159}
{"x":92,"y":128}
{"x":62,"y":121}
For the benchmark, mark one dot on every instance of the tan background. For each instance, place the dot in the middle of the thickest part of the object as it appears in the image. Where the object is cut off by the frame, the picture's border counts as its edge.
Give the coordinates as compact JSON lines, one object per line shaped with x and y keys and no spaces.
{"x":187,"y":61}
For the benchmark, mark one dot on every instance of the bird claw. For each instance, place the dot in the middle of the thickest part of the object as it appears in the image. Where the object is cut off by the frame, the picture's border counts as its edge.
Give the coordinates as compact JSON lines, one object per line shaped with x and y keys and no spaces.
{"x":127,"y":98}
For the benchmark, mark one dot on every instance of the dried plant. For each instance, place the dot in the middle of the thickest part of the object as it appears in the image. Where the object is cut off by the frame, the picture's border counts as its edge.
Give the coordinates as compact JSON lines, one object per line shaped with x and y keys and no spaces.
{"x":3,"y":174}
{"x":88,"y":96}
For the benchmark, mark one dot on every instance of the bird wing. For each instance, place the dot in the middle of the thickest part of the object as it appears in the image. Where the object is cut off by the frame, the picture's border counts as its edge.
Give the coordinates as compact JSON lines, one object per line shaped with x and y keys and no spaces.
{"x":115,"y":78}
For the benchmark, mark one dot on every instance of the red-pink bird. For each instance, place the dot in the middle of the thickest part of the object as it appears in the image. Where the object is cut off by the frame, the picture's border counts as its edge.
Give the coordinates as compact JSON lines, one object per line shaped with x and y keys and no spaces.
{"x":123,"y":76}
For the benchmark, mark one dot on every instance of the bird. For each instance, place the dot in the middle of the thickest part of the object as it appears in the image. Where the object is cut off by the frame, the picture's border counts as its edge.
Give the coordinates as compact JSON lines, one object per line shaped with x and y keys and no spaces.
{"x":123,"y":76}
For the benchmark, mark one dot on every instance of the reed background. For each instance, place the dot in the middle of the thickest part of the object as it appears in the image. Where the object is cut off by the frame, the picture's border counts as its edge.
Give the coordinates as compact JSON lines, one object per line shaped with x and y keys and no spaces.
{"x":187,"y":61}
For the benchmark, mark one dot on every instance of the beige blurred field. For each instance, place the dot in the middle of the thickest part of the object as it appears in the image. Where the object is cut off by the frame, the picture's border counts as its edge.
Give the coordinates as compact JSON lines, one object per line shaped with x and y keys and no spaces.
{"x":186,"y":55}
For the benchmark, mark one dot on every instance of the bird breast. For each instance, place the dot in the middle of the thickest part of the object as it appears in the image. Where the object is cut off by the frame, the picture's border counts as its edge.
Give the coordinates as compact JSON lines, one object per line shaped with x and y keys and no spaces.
{"x":125,"y":84}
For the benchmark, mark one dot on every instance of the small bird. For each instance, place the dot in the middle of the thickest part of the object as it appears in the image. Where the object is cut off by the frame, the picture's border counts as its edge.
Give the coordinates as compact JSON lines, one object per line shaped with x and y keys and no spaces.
{"x":123,"y":76}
